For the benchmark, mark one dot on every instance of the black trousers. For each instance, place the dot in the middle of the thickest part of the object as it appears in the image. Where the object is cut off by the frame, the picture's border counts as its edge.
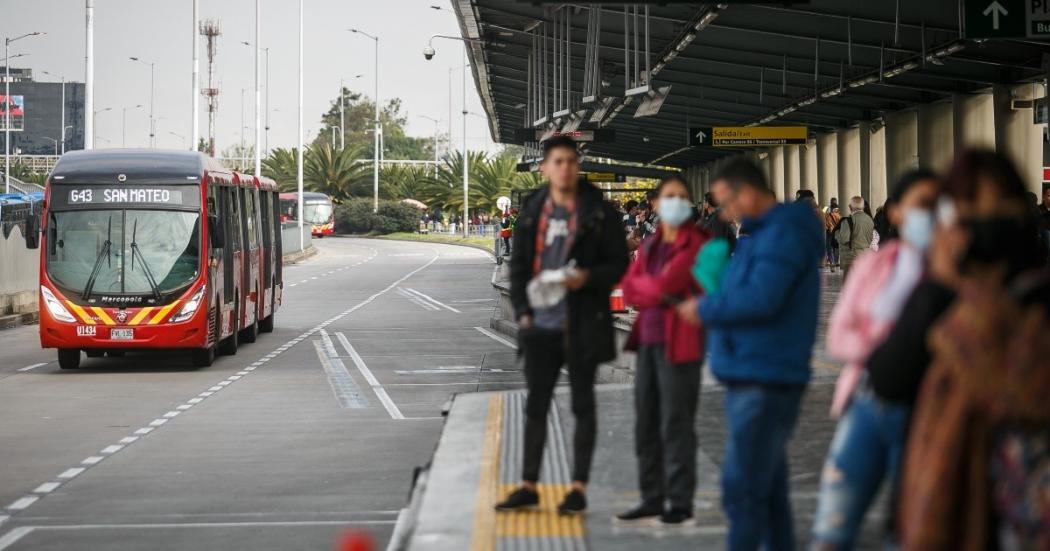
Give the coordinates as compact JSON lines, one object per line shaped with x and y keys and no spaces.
{"x":545,"y":353}
{"x":666,"y":396}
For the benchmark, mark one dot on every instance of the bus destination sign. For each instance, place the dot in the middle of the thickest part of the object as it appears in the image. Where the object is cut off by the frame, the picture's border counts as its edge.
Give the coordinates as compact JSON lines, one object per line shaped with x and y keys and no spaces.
{"x":124,"y":196}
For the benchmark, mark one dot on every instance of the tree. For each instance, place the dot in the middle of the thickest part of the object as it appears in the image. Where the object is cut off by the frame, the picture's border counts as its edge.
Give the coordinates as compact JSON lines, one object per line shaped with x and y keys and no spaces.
{"x":338,"y":173}
{"x":402,"y":182}
{"x":281,"y":167}
{"x":359,"y":115}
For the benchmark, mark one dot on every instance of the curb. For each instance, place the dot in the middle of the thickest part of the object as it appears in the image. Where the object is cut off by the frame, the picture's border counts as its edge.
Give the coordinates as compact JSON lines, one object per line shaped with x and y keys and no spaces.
{"x":380,"y":237}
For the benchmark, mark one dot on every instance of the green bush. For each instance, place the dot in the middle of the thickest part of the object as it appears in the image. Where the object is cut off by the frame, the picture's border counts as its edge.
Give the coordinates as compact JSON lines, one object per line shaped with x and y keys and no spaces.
{"x":356,"y":216}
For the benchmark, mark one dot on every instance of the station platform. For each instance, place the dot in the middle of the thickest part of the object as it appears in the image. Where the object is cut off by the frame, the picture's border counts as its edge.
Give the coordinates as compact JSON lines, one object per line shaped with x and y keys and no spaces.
{"x":478,"y":461}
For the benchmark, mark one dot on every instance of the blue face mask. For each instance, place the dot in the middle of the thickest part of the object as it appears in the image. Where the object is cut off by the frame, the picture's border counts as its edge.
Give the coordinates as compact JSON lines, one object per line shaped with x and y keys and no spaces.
{"x":917,"y":228}
{"x":674,"y":211}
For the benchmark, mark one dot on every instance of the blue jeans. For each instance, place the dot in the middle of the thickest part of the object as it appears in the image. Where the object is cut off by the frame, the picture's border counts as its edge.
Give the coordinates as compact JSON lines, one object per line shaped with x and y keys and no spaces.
{"x":755,"y":471}
{"x":867,"y":449}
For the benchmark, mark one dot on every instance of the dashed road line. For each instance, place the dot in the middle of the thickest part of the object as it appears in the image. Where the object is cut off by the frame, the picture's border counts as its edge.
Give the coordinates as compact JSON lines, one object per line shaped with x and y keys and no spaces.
{"x":434,"y":301}
{"x":34,"y":366}
{"x":47,"y":487}
{"x":19,"y":505}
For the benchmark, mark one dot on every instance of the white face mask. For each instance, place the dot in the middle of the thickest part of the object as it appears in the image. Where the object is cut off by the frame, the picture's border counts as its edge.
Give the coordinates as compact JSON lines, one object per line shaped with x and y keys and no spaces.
{"x":674,"y":211}
{"x":917,"y":228}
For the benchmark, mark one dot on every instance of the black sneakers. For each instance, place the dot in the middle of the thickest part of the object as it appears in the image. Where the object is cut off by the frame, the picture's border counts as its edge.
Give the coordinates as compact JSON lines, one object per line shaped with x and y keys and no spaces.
{"x":573,"y":504}
{"x":522,"y":498}
{"x":678,"y":517}
{"x":641,"y":513}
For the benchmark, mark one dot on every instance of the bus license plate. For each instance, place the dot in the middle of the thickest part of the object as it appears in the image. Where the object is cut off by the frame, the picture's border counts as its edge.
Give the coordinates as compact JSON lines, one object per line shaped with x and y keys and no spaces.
{"x":121,"y":334}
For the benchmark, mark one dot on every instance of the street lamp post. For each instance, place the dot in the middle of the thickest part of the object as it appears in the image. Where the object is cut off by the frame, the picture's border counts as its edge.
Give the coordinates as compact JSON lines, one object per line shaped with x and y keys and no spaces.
{"x":94,"y":114}
{"x":54,"y":141}
{"x":299,"y":157}
{"x":124,"y":125}
{"x":7,"y":106}
{"x":266,"y":106}
{"x":429,"y":53}
{"x":63,"y":109}
{"x":378,"y":128}
{"x":152,"y":121}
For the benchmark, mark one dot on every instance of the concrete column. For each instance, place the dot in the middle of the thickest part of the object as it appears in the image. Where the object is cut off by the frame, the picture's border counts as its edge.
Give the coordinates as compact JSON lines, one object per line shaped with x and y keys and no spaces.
{"x":936,"y":135}
{"x":792,"y":169}
{"x":877,"y":163}
{"x":809,"y":176}
{"x":776,"y":172}
{"x":902,"y":144}
{"x":828,"y":166}
{"x":1017,"y":137}
{"x":974,"y":121}
{"x":849,"y":163}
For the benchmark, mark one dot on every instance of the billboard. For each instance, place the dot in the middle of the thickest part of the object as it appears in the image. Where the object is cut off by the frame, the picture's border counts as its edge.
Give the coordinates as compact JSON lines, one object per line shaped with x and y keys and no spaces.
{"x":17,"y":105}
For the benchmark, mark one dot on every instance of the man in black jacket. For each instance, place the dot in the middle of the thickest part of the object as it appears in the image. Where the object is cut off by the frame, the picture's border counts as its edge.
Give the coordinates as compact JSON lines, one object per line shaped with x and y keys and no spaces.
{"x":564,"y":226}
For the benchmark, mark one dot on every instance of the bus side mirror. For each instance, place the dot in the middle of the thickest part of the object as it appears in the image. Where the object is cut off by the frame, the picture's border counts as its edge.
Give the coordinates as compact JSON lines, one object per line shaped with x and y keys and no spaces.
{"x":33,"y":231}
{"x":218,"y":239}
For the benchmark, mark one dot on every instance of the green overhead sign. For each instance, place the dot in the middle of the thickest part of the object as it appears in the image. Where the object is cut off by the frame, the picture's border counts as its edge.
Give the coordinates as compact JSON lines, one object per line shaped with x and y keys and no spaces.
{"x":1008,"y":19}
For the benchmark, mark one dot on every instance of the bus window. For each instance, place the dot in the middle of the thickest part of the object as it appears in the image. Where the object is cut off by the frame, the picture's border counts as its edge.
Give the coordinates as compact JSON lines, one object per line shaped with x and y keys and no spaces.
{"x":250,"y":214}
{"x":278,"y":237}
{"x":267,"y":236}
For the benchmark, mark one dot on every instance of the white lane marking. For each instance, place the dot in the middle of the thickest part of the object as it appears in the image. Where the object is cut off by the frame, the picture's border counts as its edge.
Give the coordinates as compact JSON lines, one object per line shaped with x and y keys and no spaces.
{"x":12,"y":537}
{"x":6,"y":541}
{"x":389,"y":404}
{"x":47,"y":487}
{"x":22,"y":503}
{"x":112,"y":449}
{"x":71,"y":473}
{"x":471,"y":300}
{"x":441,"y":371}
{"x":171,"y":414}
{"x":34,"y":366}
{"x":497,"y":338}
{"x":346,"y":391}
{"x":416,"y":300}
{"x":293,"y":284}
{"x":435,"y":301}
{"x":128,"y":439}
{"x":183,"y":407}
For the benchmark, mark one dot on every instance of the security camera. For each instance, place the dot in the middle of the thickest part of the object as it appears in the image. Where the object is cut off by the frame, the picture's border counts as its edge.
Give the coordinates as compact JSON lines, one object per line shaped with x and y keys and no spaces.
{"x":428,"y":53}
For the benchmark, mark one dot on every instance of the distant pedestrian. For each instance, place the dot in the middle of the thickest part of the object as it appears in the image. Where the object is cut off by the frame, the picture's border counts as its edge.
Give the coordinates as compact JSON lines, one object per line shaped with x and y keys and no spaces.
{"x":568,"y":252}
{"x":669,"y":354}
{"x":831,"y":222}
{"x":761,"y":326}
{"x":869,"y":440}
{"x":854,"y":233}
{"x":713,"y":221}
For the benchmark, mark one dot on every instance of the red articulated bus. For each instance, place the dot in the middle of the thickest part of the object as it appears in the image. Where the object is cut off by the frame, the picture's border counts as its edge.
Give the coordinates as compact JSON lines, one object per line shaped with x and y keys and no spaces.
{"x":318,"y":211}
{"x":155,"y":249}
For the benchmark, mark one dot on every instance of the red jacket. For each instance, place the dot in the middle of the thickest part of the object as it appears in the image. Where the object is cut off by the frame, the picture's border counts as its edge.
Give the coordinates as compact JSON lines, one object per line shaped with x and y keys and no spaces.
{"x":685,"y":342}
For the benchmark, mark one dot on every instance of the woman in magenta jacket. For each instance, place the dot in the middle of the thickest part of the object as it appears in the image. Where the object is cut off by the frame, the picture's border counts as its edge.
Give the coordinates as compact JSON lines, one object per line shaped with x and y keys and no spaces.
{"x":668,"y":363}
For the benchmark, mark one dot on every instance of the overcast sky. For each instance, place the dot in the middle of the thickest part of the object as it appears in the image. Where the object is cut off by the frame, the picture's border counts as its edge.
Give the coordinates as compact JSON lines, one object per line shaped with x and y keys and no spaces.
{"x":159,"y":31}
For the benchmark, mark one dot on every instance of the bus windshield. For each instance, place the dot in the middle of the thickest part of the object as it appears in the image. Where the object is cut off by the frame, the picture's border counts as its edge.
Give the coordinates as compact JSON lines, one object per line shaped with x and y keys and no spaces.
{"x":317,"y":212}
{"x":120,"y":252}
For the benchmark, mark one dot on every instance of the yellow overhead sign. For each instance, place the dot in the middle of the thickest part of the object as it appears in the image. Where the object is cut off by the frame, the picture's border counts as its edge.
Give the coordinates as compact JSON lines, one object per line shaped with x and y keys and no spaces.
{"x":737,"y":136}
{"x":748,"y":136}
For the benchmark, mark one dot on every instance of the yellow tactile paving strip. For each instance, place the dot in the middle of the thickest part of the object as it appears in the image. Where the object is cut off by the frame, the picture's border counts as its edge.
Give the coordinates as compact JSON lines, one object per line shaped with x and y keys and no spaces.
{"x":488,"y":485}
{"x":542,"y":522}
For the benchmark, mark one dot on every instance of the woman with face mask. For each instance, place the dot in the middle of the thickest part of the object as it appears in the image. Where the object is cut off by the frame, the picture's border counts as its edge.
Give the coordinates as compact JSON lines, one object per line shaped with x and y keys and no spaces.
{"x":975,"y":469}
{"x":668,"y":362}
{"x":867,"y":445}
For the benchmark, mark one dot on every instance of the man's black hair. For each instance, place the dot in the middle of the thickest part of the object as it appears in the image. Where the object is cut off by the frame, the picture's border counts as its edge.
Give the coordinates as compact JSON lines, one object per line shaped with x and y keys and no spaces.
{"x":559,"y":141}
{"x":709,"y":198}
{"x":740,"y":172}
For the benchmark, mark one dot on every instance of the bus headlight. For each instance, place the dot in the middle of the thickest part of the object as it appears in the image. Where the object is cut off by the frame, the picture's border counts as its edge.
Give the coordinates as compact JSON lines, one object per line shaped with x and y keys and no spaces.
{"x":54,"y":306}
{"x":190,"y":307}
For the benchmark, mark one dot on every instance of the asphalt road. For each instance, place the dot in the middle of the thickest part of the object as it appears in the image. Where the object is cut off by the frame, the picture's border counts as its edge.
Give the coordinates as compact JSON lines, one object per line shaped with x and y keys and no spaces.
{"x":313,"y":430}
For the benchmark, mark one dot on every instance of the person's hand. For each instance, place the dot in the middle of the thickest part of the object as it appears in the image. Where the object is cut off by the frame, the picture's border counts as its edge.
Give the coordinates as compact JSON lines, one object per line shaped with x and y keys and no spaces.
{"x":525,"y":322}
{"x":687,"y":310}
{"x":575,"y":279}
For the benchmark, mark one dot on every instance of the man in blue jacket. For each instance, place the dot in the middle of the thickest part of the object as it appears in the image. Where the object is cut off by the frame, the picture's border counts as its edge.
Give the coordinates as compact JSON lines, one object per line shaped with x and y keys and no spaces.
{"x":761,"y":327}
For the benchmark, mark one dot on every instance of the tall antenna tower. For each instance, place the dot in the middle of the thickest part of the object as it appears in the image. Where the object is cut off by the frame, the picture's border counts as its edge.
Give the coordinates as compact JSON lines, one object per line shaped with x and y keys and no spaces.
{"x":209,"y":28}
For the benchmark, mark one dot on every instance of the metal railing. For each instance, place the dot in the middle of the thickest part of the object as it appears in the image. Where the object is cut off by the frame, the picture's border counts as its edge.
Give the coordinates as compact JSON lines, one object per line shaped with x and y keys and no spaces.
{"x":40,"y":164}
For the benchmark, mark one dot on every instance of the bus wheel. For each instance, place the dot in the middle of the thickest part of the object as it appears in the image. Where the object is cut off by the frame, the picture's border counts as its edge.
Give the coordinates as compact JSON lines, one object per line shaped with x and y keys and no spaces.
{"x":251,"y":332}
{"x":203,"y":357}
{"x":266,"y":324}
{"x":228,"y":347}
{"x":94,"y":353}
{"x":69,"y":358}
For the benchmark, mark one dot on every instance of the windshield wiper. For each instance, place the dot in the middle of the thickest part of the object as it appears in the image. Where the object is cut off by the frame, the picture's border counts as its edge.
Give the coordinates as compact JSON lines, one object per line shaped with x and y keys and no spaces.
{"x":107,"y":246}
{"x":142,"y":259}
